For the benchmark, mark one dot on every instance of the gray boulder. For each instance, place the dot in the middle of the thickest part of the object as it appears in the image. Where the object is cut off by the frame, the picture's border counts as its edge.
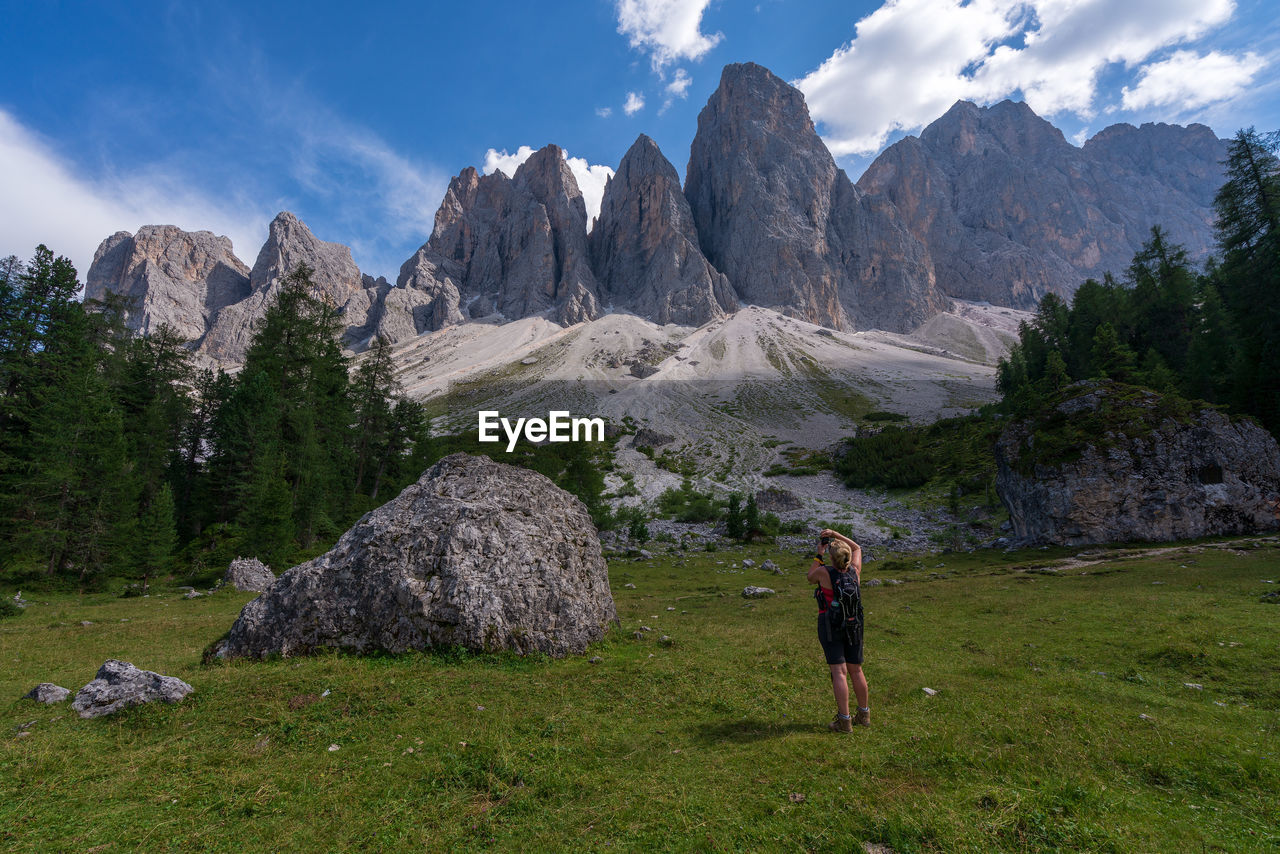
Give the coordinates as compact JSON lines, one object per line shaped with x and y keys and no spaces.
{"x":120,"y":685}
{"x":475,"y":554}
{"x":753,"y":592}
{"x":249,"y":574}
{"x":1152,"y":473}
{"x":47,"y":692}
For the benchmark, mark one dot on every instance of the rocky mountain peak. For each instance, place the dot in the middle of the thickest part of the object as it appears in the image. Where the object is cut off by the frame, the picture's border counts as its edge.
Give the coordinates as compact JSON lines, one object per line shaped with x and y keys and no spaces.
{"x":178,"y":278}
{"x":775,"y":214}
{"x":644,"y":247}
{"x":289,"y":243}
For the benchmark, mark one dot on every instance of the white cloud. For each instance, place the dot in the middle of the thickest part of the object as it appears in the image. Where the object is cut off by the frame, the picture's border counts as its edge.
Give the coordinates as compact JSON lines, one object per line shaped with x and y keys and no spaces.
{"x":604,"y":112}
{"x":591,"y":178}
{"x":667,"y":30}
{"x":679,"y":85}
{"x":1187,"y":80}
{"x":43,"y":200}
{"x":911,"y":59}
{"x":634,"y":104}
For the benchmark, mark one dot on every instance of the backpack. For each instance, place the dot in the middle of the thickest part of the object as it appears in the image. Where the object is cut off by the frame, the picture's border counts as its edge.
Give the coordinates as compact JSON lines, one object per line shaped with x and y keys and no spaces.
{"x":844,"y":614}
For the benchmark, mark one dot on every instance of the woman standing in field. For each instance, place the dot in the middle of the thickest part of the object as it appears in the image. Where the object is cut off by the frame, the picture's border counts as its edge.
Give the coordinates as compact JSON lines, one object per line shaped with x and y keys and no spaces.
{"x":843,"y":653}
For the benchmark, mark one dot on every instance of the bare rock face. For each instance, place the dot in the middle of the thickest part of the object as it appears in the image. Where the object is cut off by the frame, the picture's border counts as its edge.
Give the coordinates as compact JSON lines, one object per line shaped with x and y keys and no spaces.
{"x":1157,"y":474}
{"x":48,"y":693}
{"x":775,"y":214}
{"x":174,"y":277}
{"x":120,"y":685}
{"x":644,"y":247}
{"x":506,"y":247}
{"x":249,"y":574}
{"x":289,"y":243}
{"x":475,"y":554}
{"x":1011,"y":211}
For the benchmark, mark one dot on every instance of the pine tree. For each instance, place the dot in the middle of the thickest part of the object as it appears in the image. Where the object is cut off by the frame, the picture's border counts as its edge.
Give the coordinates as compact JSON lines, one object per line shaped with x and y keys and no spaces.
{"x":733,"y":524}
{"x":751,"y":516}
{"x":157,"y":536}
{"x":1110,"y":357}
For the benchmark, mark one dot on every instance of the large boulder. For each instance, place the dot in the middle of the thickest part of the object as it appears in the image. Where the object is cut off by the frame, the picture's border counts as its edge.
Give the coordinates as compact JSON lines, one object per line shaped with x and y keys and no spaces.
{"x":249,"y":574}
{"x":1113,"y":463}
{"x":475,"y":554}
{"x":120,"y":685}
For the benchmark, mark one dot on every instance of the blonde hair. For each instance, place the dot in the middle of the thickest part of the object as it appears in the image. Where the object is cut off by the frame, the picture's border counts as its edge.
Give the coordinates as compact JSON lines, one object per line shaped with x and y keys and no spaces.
{"x":840,"y":554}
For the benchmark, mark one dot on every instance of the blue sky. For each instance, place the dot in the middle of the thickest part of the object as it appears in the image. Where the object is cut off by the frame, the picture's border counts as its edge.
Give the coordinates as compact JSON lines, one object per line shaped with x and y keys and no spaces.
{"x":217,"y":115}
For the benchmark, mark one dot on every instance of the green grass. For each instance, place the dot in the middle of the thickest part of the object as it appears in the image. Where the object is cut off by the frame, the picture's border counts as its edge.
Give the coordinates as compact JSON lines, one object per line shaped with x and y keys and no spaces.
{"x":1035,"y":741}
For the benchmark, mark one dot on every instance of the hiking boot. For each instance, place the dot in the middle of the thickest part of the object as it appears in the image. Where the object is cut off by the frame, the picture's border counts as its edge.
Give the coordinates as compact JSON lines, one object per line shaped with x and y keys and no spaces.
{"x":862,"y":717}
{"x":841,"y":724}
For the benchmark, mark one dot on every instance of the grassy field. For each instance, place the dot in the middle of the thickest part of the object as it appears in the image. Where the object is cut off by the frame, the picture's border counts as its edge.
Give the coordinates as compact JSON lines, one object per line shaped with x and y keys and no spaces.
{"x":1062,"y":721}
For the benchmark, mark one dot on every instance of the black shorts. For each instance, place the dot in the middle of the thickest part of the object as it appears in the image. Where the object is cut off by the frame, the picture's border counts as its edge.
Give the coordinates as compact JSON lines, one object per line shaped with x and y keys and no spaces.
{"x":846,"y":650}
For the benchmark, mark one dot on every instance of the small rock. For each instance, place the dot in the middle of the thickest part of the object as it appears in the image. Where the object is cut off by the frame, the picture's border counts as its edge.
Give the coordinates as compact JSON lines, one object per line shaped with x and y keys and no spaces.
{"x":929,"y":691}
{"x":770,"y":566}
{"x":665,"y":640}
{"x":748,"y":562}
{"x":670,"y":607}
{"x":872,"y":582}
{"x":86,"y":622}
{"x":796,"y":798}
{"x":1145,"y":718}
{"x":629,"y":586}
{"x":334,"y":747}
{"x":1195,"y":686}
{"x":638,"y":635}
{"x":529,"y":360}
{"x":893,"y":581}
{"x":47,"y":692}
{"x":249,"y":574}
{"x":192,"y":594}
{"x":120,"y":685}
{"x":1219,"y":703}
{"x":645,"y":629}
{"x":595,"y":660}
{"x":751,"y":592}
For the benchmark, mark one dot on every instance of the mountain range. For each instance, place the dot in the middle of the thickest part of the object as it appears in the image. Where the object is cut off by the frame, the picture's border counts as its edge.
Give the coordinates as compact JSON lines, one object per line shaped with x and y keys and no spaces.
{"x":988,"y":204}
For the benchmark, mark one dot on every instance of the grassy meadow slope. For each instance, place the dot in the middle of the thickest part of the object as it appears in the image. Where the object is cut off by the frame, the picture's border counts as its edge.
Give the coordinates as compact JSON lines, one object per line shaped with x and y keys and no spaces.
{"x":1063,"y":720}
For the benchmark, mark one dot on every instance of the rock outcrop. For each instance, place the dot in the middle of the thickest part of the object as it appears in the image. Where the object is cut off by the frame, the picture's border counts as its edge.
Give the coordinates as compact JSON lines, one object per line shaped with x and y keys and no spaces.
{"x":1116,"y":464}
{"x":504,"y":247}
{"x":775,"y":215}
{"x":475,"y":554}
{"x":289,"y":243}
{"x":644,"y":247}
{"x":48,"y":693}
{"x":119,"y":685}
{"x":249,"y":575}
{"x":1011,"y":211}
{"x":178,"y":278}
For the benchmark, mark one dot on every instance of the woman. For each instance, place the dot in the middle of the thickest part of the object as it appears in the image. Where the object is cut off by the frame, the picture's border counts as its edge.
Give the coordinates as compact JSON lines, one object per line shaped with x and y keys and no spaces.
{"x":844,"y":654}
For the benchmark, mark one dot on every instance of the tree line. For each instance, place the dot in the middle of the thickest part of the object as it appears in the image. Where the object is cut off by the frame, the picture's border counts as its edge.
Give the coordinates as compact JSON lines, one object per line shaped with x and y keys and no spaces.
{"x":119,"y":457}
{"x":1211,"y":334}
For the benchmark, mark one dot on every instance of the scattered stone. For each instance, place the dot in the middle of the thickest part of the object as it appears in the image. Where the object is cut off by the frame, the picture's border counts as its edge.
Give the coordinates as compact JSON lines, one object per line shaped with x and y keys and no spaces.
{"x":638,"y":635}
{"x":872,"y":582}
{"x":192,"y":594}
{"x":120,"y":685}
{"x":476,"y":554}
{"x":665,"y":640}
{"x":1196,"y":686}
{"x":748,"y":562}
{"x":929,"y":692}
{"x":770,"y":566}
{"x":249,"y":575}
{"x":670,"y":607}
{"x":629,"y":586}
{"x":85,"y":623}
{"x":529,"y":360}
{"x":1145,"y":718}
{"x":796,"y":798}
{"x":645,"y":629}
{"x":752,"y":592}
{"x":47,"y":692}
{"x":334,"y":748}
{"x":893,"y":581}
